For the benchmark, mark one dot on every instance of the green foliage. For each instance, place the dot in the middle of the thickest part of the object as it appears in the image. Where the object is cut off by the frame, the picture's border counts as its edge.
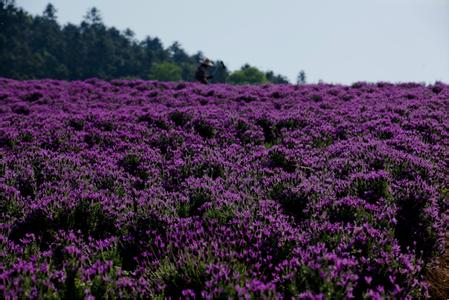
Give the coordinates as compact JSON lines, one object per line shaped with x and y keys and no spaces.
{"x":177,"y":277}
{"x":93,"y":139}
{"x":371,"y":190}
{"x":196,"y":200}
{"x":10,"y":205}
{"x":271,"y":77}
{"x":73,"y":287}
{"x":132,"y":164}
{"x":26,"y":137}
{"x":301,"y":79}
{"x":204,"y":129}
{"x":50,"y":12}
{"x":279,"y":160}
{"x":293,"y":202}
{"x":271,"y":133}
{"x":165,"y":71}
{"x":180,"y":118}
{"x":306,"y":278}
{"x":36,"y":221}
{"x":88,"y":217}
{"x":290,"y":124}
{"x":247,"y":75}
{"x":222,"y":214}
{"x":322,"y":141}
{"x":414,"y":224}
{"x":77,"y":124}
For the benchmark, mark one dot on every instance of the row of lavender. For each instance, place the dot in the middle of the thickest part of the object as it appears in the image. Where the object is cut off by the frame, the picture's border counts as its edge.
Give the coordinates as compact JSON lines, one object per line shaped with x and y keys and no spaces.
{"x":149,"y":189}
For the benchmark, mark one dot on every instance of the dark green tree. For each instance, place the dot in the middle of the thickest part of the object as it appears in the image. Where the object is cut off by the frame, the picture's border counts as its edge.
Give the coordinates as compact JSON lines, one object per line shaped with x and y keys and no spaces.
{"x":50,"y":12}
{"x":301,"y":79}
{"x":165,"y":71}
{"x":93,"y":17}
{"x":247,"y":75}
{"x":273,"y":78}
{"x":16,"y":58}
{"x":73,"y":50}
{"x":183,"y":60}
{"x":46,"y":43}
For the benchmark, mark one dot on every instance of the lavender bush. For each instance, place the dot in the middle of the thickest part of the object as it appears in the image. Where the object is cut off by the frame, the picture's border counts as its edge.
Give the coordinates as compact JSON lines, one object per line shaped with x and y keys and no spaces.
{"x":137,"y":189}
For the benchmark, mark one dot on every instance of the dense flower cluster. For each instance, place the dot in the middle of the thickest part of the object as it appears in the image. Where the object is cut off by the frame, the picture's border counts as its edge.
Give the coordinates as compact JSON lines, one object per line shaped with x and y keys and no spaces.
{"x":149,"y":189}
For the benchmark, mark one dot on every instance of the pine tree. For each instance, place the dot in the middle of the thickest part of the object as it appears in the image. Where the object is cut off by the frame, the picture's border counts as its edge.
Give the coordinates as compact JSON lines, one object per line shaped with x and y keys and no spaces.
{"x":301,"y":79}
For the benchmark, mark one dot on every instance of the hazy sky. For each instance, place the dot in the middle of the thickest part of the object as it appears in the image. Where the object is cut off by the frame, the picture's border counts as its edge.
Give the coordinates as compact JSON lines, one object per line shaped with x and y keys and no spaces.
{"x":337,"y":41}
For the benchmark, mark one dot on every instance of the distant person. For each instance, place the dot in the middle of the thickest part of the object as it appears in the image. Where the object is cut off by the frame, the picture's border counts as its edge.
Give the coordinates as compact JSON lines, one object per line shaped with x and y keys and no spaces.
{"x":201,"y":73}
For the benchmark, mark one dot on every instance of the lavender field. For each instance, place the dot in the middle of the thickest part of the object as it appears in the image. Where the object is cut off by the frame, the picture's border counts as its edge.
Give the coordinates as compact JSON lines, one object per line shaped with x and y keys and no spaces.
{"x":145,"y":189}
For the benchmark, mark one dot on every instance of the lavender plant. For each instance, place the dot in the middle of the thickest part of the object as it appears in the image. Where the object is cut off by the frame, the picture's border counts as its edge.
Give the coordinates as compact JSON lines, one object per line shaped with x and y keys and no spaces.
{"x":138,"y":189}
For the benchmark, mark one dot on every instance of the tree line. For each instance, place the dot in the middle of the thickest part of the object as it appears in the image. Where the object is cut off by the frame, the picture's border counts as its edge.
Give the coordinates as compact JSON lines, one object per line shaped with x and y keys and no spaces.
{"x":36,"y":47}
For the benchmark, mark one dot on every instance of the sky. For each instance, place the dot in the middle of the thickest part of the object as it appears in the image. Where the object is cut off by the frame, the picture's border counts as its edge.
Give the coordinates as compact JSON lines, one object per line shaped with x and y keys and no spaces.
{"x":342,"y":41}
